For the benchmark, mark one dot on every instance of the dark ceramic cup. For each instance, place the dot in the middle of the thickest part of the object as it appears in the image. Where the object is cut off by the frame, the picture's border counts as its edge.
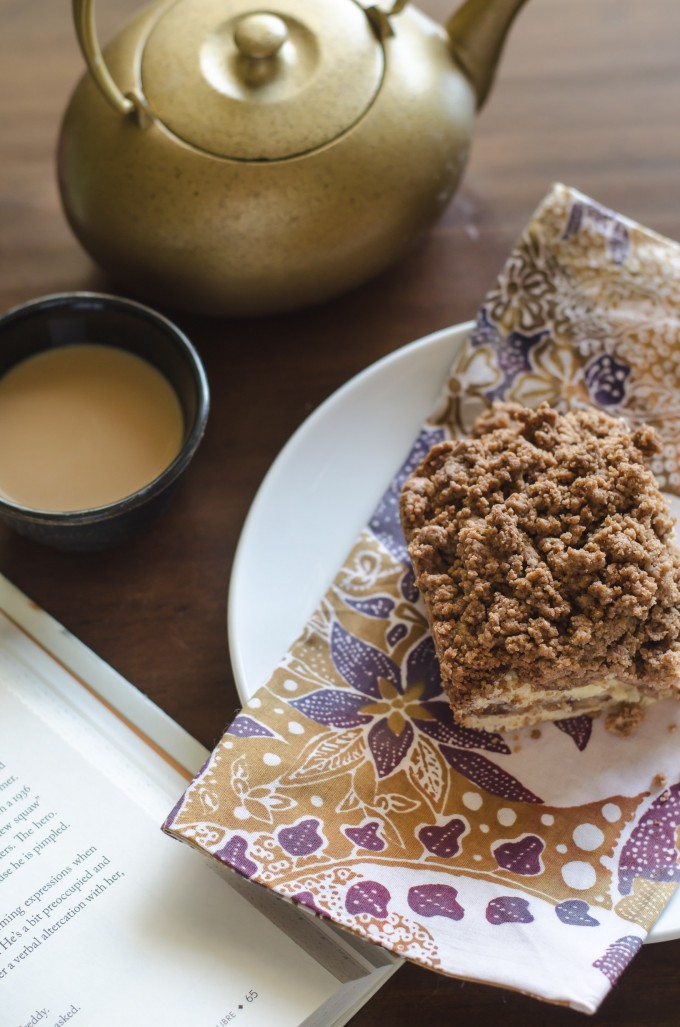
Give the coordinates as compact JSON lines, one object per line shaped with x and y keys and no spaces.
{"x":67,"y":318}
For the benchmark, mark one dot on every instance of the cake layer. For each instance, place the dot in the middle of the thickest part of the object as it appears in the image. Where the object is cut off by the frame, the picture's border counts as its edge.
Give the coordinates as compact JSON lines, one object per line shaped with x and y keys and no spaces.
{"x":530,"y":705}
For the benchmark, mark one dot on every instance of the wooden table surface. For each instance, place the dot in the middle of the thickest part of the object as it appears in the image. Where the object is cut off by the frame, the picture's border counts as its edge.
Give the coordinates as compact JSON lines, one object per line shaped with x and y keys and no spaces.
{"x":588,"y":93}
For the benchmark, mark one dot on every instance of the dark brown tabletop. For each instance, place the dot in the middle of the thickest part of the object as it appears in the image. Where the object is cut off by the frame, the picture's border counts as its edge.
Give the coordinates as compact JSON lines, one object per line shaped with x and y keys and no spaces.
{"x":588,"y":93}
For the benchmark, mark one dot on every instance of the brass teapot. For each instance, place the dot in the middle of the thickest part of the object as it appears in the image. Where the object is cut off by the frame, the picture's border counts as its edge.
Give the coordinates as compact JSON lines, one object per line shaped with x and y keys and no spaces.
{"x":235,"y":160}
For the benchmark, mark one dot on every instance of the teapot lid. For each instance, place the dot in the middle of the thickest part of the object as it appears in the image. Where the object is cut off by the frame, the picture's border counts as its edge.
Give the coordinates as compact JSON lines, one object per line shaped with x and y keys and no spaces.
{"x":261,"y":84}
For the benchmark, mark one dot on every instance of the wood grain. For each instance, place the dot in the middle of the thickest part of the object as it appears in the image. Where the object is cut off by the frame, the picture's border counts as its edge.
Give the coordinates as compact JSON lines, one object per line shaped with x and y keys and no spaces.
{"x":588,"y":93}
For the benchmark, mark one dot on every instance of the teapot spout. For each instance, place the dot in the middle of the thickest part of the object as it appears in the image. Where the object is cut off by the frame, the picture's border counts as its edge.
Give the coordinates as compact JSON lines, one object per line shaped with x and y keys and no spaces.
{"x":477,"y":33}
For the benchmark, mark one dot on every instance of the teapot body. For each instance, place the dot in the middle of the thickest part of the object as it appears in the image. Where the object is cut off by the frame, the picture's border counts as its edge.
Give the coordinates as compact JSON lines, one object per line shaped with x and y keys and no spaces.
{"x":224,"y":236}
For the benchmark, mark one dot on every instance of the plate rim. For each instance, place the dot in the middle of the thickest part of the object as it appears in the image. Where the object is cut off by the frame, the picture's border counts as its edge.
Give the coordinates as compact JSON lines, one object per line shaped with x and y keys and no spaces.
{"x":244,"y":688}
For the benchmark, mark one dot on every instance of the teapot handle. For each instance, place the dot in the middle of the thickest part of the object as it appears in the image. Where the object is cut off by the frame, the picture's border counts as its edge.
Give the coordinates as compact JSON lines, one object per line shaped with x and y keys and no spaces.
{"x":83,"y":17}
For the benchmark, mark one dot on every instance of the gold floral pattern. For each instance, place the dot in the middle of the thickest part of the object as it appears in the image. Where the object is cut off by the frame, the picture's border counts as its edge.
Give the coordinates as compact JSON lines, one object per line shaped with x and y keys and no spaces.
{"x":595,"y":298}
{"x":345,"y":785}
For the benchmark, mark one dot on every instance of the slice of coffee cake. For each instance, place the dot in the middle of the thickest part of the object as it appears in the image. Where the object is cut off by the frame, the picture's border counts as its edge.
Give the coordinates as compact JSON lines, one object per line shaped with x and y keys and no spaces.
{"x":545,"y":556}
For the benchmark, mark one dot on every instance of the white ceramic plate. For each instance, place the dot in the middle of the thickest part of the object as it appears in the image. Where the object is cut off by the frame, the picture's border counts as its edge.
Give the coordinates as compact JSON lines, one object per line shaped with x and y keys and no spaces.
{"x":319,"y":493}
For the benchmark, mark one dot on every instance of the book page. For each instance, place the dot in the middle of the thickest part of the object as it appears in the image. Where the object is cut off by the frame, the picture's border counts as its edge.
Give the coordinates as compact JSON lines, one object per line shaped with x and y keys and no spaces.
{"x":103,"y":919}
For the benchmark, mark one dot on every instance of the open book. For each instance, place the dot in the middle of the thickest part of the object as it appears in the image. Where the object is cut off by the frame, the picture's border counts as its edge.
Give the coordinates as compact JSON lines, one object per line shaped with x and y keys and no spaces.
{"x":104,"y":920}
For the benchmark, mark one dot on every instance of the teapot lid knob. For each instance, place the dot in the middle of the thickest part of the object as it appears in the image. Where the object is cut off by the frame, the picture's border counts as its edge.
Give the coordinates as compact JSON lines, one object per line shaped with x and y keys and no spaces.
{"x":261,"y":80}
{"x":260,"y":35}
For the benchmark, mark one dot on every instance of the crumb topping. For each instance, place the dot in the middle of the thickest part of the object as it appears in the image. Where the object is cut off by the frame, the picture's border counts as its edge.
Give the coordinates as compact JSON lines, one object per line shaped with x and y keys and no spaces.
{"x":542,"y":546}
{"x":625,"y":719}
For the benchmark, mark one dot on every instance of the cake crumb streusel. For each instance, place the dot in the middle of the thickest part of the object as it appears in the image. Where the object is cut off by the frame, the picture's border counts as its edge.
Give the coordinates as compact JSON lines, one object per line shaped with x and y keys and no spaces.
{"x":544,"y":553}
{"x":625,"y":719}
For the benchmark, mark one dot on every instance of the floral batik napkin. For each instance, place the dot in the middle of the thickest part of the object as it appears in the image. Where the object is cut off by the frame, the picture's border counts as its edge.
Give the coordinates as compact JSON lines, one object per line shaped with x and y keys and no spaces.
{"x":538,"y":859}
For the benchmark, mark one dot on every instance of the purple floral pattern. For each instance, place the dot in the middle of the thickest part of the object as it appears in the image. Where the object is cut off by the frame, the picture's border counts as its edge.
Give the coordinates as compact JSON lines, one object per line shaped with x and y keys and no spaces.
{"x":435,"y":900}
{"x":380,"y":606}
{"x":487,"y":775}
{"x":604,"y":221}
{"x":618,"y":956}
{"x":558,"y":325}
{"x":308,"y":899}
{"x":397,"y":702}
{"x":509,"y":909}
{"x":346,"y":785}
{"x":651,"y":850}
{"x":246,"y":727}
{"x":301,"y":840}
{"x":522,"y":856}
{"x":367,"y":836}
{"x":514,"y":358}
{"x":444,"y":840}
{"x":606,"y":377}
{"x":381,"y":696}
{"x":575,"y":912}
{"x":578,"y":728}
{"x":369,"y":897}
{"x":385,"y":523}
{"x":234,"y":855}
